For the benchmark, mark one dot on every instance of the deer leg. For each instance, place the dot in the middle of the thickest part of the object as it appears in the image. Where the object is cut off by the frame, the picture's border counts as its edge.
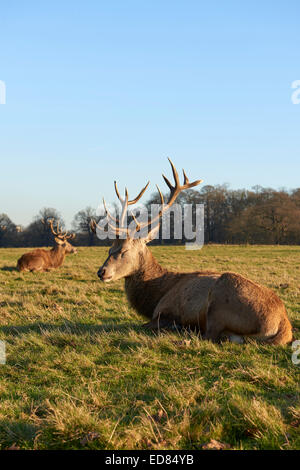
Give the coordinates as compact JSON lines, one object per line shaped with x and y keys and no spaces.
{"x":216,"y":329}
{"x":214,"y":324}
{"x":151,"y":325}
{"x":158,"y":323}
{"x":237,"y":339}
{"x":163,"y":315}
{"x":35,"y":269}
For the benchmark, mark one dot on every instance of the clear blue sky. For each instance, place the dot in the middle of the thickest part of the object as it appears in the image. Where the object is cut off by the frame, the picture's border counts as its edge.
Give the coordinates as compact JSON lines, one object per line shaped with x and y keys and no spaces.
{"x":99,"y":90}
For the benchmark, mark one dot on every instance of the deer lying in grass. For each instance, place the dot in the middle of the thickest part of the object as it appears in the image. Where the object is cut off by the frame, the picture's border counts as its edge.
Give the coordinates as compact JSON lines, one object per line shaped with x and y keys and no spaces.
{"x":45,"y":260}
{"x":219,"y":305}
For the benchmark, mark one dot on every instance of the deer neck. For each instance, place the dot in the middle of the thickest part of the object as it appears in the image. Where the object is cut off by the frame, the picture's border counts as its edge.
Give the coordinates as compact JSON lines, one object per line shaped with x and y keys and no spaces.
{"x":148,"y":284}
{"x":58,"y":254}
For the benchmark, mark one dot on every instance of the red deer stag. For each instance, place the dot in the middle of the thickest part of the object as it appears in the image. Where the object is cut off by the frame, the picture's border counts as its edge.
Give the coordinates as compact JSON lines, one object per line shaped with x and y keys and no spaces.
{"x":220,"y":305}
{"x":45,"y":260}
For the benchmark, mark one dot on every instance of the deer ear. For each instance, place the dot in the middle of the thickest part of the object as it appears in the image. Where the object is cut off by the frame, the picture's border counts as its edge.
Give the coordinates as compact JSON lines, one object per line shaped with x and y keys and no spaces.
{"x":152,"y":234}
{"x":58,"y":241}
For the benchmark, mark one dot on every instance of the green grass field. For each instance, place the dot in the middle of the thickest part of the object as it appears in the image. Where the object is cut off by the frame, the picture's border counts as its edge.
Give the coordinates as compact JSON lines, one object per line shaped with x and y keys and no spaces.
{"x":81,"y":372}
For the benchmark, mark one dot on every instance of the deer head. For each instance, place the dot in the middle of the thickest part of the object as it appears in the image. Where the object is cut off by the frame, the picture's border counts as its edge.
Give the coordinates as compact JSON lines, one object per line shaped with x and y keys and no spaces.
{"x":61,"y":238}
{"x":127,"y":255}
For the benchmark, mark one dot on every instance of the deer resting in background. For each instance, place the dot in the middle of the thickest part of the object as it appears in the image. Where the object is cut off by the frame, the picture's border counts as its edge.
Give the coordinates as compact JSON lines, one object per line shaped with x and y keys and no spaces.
{"x":219,"y":305}
{"x":45,"y":260}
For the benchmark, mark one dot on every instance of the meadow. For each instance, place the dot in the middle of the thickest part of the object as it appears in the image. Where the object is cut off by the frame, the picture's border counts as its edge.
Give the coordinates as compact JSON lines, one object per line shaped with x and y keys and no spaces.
{"x":82,"y":373}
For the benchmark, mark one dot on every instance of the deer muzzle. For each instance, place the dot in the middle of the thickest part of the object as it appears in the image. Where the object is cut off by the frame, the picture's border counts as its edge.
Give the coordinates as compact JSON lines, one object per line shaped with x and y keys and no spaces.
{"x":102,"y":274}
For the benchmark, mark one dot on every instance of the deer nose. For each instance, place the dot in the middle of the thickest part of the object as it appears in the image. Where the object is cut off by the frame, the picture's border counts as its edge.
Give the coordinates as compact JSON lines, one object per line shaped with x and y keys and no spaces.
{"x":101,"y":273}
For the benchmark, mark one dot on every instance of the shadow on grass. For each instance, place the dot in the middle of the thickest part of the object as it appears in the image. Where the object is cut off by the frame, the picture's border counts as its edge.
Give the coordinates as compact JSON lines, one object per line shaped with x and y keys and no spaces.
{"x":87,"y":328}
{"x":72,"y":328}
{"x":16,"y":433}
{"x":9,"y":268}
{"x":8,"y":303}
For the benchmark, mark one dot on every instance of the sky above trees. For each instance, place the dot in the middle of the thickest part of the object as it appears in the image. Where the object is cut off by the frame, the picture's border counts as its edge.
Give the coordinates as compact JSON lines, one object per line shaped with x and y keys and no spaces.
{"x":262,"y":216}
{"x":100,"y":90}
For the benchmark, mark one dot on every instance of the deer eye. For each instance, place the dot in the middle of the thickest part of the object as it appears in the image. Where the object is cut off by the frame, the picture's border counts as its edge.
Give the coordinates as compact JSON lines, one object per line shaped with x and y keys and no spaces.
{"x":124,"y":252}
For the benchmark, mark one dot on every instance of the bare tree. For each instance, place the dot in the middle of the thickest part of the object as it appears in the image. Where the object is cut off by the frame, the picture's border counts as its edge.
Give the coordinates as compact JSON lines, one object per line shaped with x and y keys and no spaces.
{"x":7,"y":229}
{"x":82,"y":223}
{"x":38,"y":233}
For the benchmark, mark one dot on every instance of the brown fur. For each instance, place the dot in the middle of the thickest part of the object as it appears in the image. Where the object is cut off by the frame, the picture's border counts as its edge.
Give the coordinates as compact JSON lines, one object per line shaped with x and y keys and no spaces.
{"x":45,"y":260}
{"x":218,"y":304}
{"x":243,"y":307}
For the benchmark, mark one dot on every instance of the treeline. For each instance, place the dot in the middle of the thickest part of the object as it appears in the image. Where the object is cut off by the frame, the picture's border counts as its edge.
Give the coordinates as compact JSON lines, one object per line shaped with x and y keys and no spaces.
{"x":38,"y":233}
{"x":257,"y":216}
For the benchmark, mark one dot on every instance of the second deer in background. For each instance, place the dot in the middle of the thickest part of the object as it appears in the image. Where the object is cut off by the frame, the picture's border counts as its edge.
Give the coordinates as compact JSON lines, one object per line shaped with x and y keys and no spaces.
{"x":45,"y":260}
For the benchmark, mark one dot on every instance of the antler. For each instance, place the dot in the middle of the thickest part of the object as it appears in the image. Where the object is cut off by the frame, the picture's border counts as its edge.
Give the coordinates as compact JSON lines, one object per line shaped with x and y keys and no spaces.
{"x":118,"y":225}
{"x":93,"y":225}
{"x":175,"y":190}
{"x":59,"y":233}
{"x":174,"y":193}
{"x":125,"y":202}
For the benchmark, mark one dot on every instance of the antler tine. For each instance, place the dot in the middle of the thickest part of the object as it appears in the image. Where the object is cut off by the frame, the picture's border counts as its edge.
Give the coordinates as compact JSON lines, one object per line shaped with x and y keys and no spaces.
{"x":126,"y":202}
{"x":126,"y":196}
{"x":168,"y":183}
{"x":161,"y":196}
{"x":50,"y":222}
{"x":187,"y":184}
{"x":175,"y":174}
{"x":186,"y":180}
{"x":70,"y":236}
{"x":113,"y":227}
{"x":117,"y":230}
{"x":174,"y":191}
{"x":176,"y":178}
{"x":58,"y":231}
{"x":138,"y":226}
{"x":177,"y":188}
{"x":117,"y":192}
{"x":134,"y":201}
{"x":93,"y":225}
{"x":124,"y":208}
{"x":108,"y":213}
